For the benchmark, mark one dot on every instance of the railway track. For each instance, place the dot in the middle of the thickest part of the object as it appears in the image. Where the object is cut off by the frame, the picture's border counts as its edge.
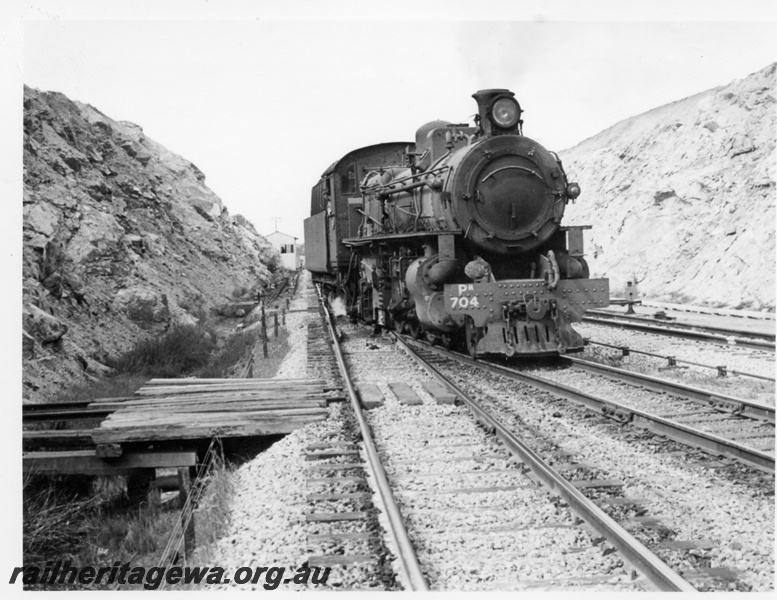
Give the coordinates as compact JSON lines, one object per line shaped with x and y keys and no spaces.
{"x":720,"y":425}
{"x":471,"y":504}
{"x":695,"y":333}
{"x":676,"y":529}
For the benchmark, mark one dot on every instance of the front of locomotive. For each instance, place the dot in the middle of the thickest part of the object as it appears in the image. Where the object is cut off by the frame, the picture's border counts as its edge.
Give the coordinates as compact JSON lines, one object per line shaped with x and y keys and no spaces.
{"x":529,"y":280}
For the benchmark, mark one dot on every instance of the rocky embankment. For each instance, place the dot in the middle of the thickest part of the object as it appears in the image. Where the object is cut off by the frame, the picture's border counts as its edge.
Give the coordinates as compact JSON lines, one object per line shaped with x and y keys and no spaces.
{"x":682,"y":197}
{"x":122,"y":238}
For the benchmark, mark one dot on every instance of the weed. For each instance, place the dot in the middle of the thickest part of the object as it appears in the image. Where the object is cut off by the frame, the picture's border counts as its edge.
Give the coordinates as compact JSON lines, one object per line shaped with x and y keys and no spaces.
{"x":182,"y":350}
{"x":233,"y":350}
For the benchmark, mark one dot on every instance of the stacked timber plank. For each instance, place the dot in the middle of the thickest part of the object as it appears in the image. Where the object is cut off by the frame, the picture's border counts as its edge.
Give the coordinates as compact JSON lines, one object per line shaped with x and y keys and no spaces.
{"x":185,"y":409}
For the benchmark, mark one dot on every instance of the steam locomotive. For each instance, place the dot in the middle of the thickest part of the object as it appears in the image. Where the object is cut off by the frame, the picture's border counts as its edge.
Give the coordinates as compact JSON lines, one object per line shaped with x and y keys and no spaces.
{"x":457,"y":237}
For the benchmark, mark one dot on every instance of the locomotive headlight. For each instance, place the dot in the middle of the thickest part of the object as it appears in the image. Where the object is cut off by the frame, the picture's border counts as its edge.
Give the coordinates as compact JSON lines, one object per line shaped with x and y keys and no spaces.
{"x":573,"y":190}
{"x":505,"y":112}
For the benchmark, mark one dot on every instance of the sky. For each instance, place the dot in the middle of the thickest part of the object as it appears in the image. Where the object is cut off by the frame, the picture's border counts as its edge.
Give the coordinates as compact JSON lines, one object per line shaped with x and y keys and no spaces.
{"x":264,"y":101}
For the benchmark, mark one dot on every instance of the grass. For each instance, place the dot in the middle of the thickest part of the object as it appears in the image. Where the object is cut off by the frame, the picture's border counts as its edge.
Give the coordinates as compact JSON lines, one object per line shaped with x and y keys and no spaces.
{"x":230,"y":354}
{"x":84,"y":528}
{"x":90,"y":521}
{"x":182,"y":350}
{"x":277,"y":348}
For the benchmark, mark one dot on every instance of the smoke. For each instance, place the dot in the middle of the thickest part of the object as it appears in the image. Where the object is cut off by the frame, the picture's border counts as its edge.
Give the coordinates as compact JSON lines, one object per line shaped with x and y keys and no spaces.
{"x":337,"y":304}
{"x":501,"y":55}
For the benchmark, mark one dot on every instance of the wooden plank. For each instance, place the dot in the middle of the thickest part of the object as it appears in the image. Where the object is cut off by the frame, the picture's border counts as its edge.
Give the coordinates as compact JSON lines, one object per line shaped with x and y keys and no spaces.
{"x":336,"y":497}
{"x":334,"y":480}
{"x":232,"y":407}
{"x":620,"y":501}
{"x":200,"y":381}
{"x":65,"y":415}
{"x":183,"y":431}
{"x":166,"y":483}
{"x":455,"y":474}
{"x":85,"y":462}
{"x":439,"y":392}
{"x":405,"y":394}
{"x":340,"y":537}
{"x":471,"y":490}
{"x":28,"y":407}
{"x":478,"y":459}
{"x":220,"y":387}
{"x":713,"y":572}
{"x":290,"y":401}
{"x":331,"y":517}
{"x":335,"y":444}
{"x":595,"y":483}
{"x":649,"y":522}
{"x":338,"y":559}
{"x":336,"y":467}
{"x":370,"y":395}
{"x":689,"y":545}
{"x":148,"y":416}
{"x":56,"y":437}
{"x":331,"y":454}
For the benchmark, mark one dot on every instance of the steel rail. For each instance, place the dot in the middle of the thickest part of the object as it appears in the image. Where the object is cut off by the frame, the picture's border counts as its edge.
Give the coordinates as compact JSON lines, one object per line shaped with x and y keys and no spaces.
{"x":636,"y":553}
{"x":704,"y":310}
{"x":686,"y":334}
{"x":740,"y":406}
{"x":626,"y":350}
{"x":407,"y":555}
{"x":660,"y":425}
{"x":673,"y":324}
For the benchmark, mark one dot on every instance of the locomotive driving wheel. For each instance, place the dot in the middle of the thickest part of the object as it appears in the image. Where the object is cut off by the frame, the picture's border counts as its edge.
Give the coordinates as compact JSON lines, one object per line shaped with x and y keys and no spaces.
{"x":471,"y":337}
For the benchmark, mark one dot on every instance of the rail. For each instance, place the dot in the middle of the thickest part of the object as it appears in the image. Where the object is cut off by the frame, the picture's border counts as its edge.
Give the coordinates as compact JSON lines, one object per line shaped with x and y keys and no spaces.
{"x":740,"y":406}
{"x":407,"y":555}
{"x":722,"y":370}
{"x":660,"y":425}
{"x":712,"y":338}
{"x":660,"y":574}
{"x":673,"y":324}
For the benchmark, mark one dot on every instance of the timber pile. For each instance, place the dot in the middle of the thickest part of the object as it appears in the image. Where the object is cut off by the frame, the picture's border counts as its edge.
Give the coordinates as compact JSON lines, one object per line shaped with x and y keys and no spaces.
{"x":185,"y":409}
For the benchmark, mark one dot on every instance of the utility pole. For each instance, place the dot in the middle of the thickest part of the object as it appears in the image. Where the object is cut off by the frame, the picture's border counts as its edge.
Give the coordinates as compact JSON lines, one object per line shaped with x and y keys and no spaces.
{"x":276,"y":219}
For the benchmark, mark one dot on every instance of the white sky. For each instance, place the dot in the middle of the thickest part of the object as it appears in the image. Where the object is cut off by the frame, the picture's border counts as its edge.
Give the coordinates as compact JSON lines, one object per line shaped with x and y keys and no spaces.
{"x":263,"y":105}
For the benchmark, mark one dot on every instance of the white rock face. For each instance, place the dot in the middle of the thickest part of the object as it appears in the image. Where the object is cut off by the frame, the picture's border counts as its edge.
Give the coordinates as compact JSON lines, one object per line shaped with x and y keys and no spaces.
{"x":682,"y":197}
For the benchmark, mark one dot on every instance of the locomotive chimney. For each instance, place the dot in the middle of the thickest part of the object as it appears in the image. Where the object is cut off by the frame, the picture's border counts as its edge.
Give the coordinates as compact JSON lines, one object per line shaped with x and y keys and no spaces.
{"x":498,"y":111}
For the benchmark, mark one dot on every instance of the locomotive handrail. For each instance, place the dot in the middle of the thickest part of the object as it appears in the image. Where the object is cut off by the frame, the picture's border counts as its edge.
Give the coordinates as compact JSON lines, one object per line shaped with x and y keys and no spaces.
{"x":377,"y":186}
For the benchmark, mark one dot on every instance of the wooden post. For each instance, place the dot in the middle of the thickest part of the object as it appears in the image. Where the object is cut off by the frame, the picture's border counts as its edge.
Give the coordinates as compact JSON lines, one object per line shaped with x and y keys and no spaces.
{"x":139,"y":484}
{"x":287,"y":304}
{"x":264,"y":333}
{"x":275,"y":325}
{"x":284,"y":319}
{"x":184,"y":488}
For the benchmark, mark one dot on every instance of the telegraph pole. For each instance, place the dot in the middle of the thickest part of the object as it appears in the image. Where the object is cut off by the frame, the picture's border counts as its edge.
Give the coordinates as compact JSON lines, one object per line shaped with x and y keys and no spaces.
{"x":276,"y":219}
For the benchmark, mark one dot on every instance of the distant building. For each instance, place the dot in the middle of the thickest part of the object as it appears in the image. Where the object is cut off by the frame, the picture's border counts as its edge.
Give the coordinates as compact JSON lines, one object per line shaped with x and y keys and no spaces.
{"x":287,"y":245}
